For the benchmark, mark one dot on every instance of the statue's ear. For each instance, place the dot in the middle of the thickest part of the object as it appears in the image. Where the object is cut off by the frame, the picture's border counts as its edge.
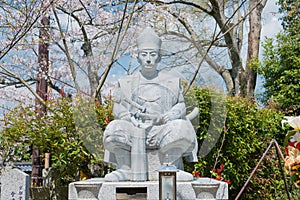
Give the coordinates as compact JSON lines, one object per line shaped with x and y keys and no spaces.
{"x":138,"y":59}
{"x":158,"y":58}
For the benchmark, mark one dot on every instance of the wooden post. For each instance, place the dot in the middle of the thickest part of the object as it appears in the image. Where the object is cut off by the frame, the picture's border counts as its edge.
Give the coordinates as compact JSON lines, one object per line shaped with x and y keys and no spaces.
{"x":47,"y":160}
{"x":41,"y":89}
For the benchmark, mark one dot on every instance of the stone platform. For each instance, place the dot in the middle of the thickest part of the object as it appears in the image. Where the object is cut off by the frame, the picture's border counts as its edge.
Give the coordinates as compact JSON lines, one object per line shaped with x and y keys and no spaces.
{"x":98,"y":189}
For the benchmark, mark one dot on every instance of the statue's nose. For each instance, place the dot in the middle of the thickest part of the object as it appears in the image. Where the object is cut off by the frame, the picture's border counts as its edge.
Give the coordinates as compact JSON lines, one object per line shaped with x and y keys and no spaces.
{"x":148,"y":61}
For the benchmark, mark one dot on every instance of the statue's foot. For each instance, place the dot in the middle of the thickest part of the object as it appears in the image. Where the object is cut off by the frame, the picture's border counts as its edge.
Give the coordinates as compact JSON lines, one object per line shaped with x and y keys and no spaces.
{"x":184,"y":176}
{"x":118,"y":175}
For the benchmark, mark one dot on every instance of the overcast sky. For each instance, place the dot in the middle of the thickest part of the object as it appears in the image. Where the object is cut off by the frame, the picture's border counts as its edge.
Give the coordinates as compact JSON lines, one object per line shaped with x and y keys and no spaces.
{"x":271,"y":24}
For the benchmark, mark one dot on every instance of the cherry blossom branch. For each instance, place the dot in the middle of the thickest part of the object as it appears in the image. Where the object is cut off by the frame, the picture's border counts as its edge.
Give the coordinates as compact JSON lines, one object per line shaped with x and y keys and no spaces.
{"x":182,"y":2}
{"x":7,"y":83}
{"x":66,"y":49}
{"x":11,"y":74}
{"x":18,"y":37}
{"x":117,"y":46}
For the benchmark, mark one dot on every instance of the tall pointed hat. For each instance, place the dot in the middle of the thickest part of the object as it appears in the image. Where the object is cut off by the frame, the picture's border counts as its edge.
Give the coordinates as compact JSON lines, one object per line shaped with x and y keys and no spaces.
{"x":148,"y":39}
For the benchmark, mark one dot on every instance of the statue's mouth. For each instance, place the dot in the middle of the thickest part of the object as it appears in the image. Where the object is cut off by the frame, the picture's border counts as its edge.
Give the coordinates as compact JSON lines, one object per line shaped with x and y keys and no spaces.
{"x":149,"y":66}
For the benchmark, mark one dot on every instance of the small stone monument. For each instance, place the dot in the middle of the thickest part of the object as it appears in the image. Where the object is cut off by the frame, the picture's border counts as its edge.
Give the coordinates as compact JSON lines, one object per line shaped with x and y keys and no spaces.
{"x":15,"y":185}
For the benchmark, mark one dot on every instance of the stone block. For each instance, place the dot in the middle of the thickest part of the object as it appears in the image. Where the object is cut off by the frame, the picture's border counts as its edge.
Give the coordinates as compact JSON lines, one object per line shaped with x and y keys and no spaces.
{"x":15,"y":185}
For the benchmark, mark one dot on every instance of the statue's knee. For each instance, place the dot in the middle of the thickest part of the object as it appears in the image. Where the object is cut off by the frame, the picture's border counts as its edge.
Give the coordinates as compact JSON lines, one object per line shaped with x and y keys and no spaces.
{"x":177,"y":141}
{"x":115,"y":139}
{"x":109,"y":139}
{"x":112,"y":143}
{"x":119,"y":124}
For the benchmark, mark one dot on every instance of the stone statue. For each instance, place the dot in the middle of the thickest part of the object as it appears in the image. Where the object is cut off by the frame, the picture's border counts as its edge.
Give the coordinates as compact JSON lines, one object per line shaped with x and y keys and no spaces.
{"x":150,"y":127}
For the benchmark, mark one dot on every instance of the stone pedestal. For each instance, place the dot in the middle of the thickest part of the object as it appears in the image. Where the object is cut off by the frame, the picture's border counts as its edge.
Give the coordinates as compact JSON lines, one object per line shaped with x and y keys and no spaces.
{"x":98,"y":189}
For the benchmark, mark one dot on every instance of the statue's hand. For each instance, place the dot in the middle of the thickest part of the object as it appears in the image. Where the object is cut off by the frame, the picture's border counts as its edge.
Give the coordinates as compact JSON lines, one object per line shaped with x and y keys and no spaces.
{"x":158,"y":120}
{"x":152,"y":140}
{"x":125,"y":116}
{"x":169,"y":116}
{"x":164,"y":118}
{"x":136,"y":115}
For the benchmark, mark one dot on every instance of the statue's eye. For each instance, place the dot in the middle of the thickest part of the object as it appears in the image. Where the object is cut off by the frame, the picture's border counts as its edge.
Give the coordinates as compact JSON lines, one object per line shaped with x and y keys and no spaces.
{"x":144,"y":54}
{"x":153,"y":54}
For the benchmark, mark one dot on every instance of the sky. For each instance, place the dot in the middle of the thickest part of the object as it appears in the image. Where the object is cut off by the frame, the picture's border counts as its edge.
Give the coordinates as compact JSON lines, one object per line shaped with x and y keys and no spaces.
{"x":271,"y":24}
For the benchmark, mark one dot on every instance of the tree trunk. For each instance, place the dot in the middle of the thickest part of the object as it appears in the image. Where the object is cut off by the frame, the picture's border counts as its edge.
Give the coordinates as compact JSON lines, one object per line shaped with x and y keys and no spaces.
{"x":253,"y":47}
{"x":218,"y":13}
{"x":92,"y":71}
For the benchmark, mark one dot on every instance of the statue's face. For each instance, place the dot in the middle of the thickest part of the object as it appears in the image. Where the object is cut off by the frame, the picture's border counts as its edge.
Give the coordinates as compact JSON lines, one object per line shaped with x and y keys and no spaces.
{"x":149,"y":58}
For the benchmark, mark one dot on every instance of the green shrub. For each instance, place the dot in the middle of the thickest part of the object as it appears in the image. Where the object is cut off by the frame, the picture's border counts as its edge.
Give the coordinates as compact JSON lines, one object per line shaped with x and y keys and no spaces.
{"x":245,"y":134}
{"x":70,"y":131}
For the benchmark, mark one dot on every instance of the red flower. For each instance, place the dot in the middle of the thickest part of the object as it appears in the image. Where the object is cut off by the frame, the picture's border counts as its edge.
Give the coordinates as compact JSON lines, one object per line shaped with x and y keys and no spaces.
{"x":196,"y":174}
{"x":298,"y":145}
{"x":219,"y":170}
{"x":227,"y":181}
{"x":286,"y":151}
{"x":295,"y":143}
{"x":219,"y":174}
{"x":107,"y":119}
{"x":221,"y":167}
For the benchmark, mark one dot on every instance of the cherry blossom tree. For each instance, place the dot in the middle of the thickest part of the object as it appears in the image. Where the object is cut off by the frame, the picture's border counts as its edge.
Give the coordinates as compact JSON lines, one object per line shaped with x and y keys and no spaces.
{"x":88,"y":38}
{"x":217,"y":27}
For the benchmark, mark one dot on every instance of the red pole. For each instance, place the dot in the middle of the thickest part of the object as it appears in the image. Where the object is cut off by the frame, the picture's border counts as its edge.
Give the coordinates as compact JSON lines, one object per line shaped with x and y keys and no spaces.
{"x":42,"y":90}
{"x":279,"y":155}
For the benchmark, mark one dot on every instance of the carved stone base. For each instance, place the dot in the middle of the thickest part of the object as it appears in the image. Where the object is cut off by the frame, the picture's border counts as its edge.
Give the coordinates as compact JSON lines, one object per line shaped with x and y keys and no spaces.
{"x":98,"y":189}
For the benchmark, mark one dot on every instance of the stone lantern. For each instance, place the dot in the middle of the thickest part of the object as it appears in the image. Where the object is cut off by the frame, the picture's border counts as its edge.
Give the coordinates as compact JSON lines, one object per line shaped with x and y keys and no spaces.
{"x":167,"y":182}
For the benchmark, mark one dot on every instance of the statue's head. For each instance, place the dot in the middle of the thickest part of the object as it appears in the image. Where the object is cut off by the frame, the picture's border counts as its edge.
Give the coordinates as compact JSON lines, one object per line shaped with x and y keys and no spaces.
{"x":149,"y":45}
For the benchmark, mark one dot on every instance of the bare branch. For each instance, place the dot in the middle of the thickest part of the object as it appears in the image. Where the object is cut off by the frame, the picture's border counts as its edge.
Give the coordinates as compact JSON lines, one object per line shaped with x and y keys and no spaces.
{"x":66,"y":50}
{"x":25,"y":84}
{"x":117,"y":46}
{"x":18,"y":37}
{"x":182,"y":2}
{"x":7,"y":83}
{"x":87,"y":12}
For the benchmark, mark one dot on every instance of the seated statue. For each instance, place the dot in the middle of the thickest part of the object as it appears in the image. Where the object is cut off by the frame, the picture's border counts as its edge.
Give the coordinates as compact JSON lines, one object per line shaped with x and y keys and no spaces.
{"x":150,"y":116}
